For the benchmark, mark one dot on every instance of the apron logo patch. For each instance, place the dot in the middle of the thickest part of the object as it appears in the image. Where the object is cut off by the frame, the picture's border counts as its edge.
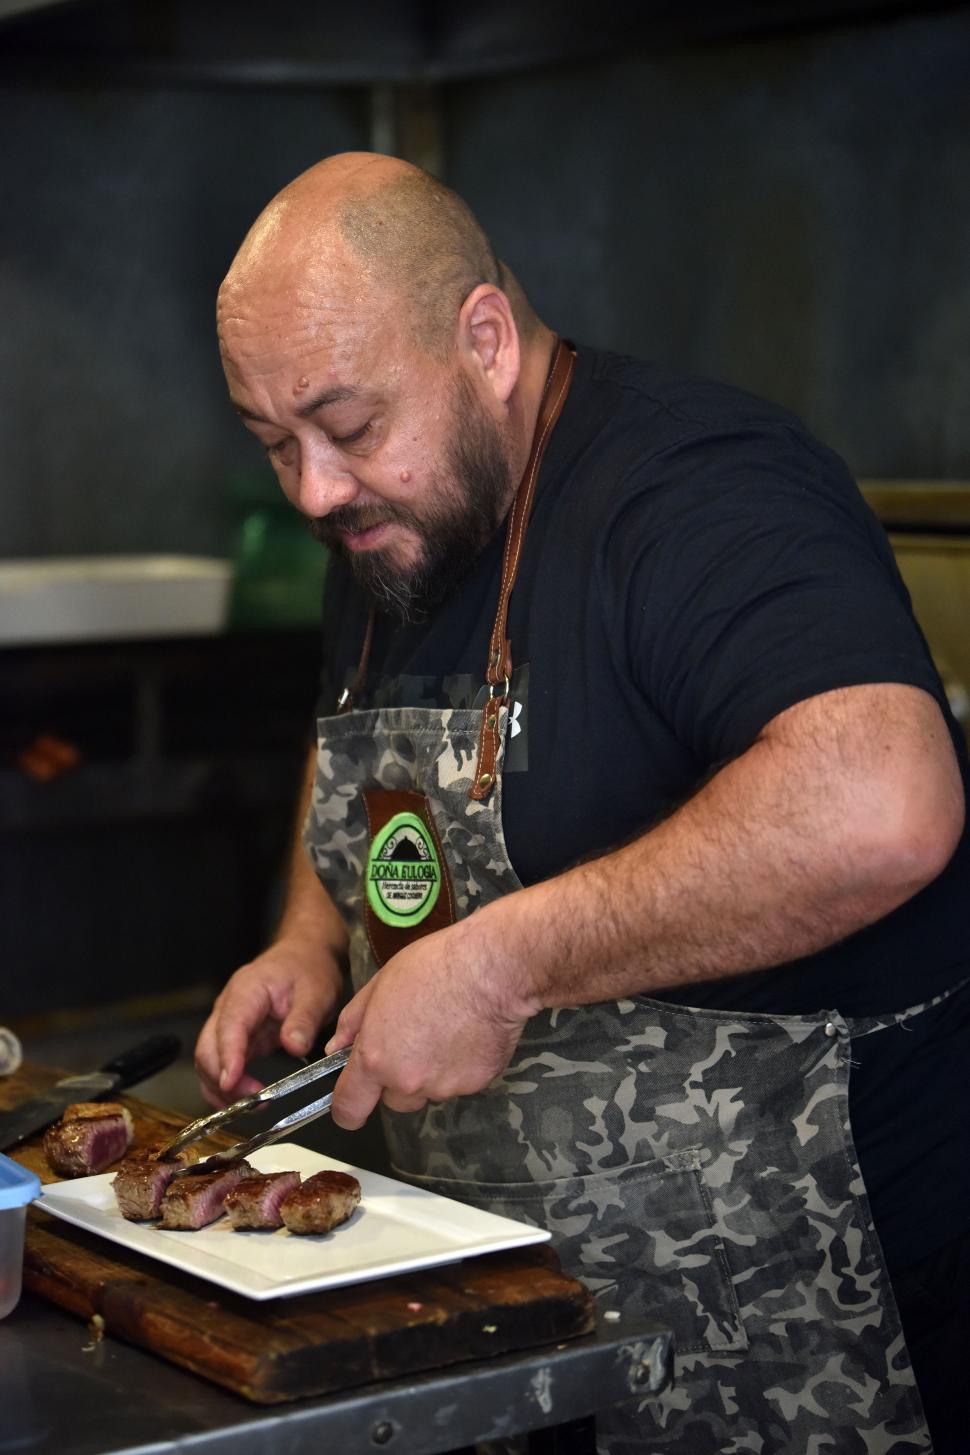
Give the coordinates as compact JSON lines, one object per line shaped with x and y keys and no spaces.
{"x":403,"y":871}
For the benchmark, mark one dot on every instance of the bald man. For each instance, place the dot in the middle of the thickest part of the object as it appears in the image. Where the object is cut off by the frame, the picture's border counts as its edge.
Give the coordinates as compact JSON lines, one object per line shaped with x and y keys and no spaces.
{"x":635,"y":783}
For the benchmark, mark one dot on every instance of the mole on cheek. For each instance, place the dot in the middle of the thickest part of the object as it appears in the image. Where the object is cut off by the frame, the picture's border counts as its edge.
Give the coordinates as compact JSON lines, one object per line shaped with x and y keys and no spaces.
{"x":405,"y":476}
{"x":301,"y":384}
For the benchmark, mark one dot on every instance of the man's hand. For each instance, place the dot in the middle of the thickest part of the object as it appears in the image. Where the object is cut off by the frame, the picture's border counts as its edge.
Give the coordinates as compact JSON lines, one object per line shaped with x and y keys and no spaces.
{"x":280,"y":999}
{"x":438,"y":1021}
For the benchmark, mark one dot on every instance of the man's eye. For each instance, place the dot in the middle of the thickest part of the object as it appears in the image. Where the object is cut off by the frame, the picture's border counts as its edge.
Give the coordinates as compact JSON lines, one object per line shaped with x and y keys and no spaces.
{"x":351,"y":439}
{"x":280,"y":451}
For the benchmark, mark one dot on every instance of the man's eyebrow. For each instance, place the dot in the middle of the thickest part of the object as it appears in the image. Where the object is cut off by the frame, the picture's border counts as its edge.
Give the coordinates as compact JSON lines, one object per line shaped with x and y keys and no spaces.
{"x":319,"y":401}
{"x":245,"y":413}
{"x":329,"y":396}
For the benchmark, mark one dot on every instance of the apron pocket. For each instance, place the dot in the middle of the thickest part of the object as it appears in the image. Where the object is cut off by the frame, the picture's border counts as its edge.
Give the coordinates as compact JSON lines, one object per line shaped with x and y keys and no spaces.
{"x":643,"y":1238}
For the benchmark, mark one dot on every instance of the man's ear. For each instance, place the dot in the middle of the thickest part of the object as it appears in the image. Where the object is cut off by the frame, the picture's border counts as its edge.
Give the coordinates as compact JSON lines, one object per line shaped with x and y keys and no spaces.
{"x":488,"y":342}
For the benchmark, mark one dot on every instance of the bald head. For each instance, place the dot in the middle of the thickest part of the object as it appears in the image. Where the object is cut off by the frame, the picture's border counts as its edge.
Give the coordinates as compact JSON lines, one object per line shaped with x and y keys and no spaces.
{"x":384,"y":230}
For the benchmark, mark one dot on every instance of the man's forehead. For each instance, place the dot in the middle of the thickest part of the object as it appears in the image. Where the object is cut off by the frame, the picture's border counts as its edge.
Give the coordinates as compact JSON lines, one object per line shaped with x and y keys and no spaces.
{"x":317,"y":399}
{"x":321,"y":344}
{"x":338,"y":340}
{"x":299,"y":303}
{"x":274,"y":371}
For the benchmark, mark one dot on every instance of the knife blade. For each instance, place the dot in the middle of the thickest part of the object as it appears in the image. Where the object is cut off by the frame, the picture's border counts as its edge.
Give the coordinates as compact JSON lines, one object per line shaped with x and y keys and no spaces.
{"x":128,"y":1069}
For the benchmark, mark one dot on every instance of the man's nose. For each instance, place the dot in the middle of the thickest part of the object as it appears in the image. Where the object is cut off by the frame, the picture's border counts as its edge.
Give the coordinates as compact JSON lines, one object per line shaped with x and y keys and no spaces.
{"x":324,"y":484}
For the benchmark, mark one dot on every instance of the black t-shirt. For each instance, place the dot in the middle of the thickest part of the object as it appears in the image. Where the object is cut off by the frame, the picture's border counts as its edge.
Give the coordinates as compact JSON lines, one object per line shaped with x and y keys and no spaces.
{"x":695,"y":564}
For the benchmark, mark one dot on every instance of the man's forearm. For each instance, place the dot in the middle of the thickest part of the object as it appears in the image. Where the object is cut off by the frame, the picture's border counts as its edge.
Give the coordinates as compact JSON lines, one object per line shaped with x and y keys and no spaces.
{"x":696,"y":898}
{"x":767,"y":863}
{"x":309,"y":914}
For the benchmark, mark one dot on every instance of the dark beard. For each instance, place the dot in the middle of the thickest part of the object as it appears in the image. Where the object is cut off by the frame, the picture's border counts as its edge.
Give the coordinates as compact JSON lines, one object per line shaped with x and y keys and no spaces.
{"x":455,"y":526}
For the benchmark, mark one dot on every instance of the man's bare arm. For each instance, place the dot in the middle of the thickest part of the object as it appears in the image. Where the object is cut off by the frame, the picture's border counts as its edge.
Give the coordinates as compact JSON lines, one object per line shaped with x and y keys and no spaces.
{"x":285,"y":994}
{"x":845,"y":806}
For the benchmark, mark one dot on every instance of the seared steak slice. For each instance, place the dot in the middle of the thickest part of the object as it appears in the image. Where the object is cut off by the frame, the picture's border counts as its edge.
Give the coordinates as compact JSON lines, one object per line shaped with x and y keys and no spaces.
{"x":193,"y":1201}
{"x":141,"y":1180}
{"x":88,"y":1138}
{"x":320,"y":1203}
{"x":255,"y":1202}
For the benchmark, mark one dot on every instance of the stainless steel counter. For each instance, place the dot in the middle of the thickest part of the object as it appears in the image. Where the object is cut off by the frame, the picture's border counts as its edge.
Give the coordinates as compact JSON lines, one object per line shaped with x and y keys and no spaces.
{"x":63,"y":1390}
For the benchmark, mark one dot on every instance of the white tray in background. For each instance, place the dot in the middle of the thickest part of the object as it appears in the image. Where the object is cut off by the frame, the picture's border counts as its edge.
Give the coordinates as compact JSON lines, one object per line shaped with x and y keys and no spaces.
{"x":89,"y":598}
{"x":396,"y":1229}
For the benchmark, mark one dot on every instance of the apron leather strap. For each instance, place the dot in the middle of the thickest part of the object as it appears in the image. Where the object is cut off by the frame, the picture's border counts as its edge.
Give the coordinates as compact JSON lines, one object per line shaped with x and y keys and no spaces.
{"x":345,"y":702}
{"x":499,"y":670}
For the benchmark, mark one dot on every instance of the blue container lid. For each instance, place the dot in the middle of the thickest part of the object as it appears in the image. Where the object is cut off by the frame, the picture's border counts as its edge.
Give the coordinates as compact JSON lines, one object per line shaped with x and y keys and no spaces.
{"x":17,"y":1185}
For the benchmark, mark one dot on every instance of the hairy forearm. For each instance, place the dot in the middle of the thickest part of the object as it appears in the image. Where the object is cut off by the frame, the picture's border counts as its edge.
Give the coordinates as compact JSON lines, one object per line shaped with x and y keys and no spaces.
{"x":705,"y":894}
{"x":764,"y":865}
{"x":310,"y":917}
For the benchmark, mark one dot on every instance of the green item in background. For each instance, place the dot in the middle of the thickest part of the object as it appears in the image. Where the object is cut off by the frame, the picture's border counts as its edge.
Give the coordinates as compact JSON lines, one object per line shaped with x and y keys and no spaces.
{"x":279,"y":567}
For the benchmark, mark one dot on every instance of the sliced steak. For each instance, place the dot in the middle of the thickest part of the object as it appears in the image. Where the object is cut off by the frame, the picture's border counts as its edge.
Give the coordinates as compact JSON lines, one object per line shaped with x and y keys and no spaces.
{"x":141,"y":1180}
{"x":321,"y":1203}
{"x":255,"y":1202}
{"x":88,"y":1138}
{"x":191,"y":1202}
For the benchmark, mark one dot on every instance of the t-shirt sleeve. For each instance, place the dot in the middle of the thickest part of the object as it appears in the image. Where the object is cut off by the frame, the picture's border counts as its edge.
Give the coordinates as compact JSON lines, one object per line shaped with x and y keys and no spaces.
{"x":749,"y":574}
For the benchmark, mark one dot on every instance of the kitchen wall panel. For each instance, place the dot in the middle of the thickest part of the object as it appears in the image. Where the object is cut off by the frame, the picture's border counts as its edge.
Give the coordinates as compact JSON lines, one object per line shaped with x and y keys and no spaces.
{"x":788,"y":214}
{"x":122,"y":208}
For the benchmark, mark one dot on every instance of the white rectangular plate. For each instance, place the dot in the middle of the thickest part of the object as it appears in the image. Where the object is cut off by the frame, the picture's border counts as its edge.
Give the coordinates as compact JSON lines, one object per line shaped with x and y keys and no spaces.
{"x":396,"y":1229}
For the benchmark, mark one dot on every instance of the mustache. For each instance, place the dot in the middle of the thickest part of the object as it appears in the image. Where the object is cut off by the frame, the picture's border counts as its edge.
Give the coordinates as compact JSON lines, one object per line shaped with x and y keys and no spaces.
{"x":329,"y":528}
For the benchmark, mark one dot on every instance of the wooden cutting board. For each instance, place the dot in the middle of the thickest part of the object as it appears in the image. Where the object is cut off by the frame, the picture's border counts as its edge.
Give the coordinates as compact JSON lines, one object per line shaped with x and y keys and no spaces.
{"x":288,"y":1348}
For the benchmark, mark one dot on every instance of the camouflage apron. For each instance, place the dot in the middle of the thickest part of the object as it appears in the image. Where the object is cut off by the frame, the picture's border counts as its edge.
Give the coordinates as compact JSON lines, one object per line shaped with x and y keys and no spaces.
{"x":695,"y":1167}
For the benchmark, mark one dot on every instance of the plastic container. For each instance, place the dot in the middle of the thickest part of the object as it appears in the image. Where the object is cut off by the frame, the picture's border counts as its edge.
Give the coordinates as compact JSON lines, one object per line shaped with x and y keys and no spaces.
{"x":18,"y":1187}
{"x":11,"y":1052}
{"x":279,"y":572}
{"x":279,"y":567}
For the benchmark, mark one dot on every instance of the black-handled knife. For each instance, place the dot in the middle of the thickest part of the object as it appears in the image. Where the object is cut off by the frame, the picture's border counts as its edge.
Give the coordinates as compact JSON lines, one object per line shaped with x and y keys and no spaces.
{"x":128,"y":1069}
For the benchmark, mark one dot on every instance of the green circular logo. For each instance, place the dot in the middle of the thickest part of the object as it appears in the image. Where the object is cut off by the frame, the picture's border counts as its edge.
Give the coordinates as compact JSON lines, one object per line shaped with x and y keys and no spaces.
{"x":403,"y":871}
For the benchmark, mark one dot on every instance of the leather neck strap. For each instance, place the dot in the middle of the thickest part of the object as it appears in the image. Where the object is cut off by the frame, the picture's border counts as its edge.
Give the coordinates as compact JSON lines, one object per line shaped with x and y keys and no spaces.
{"x":557,"y":386}
{"x":499,"y":669}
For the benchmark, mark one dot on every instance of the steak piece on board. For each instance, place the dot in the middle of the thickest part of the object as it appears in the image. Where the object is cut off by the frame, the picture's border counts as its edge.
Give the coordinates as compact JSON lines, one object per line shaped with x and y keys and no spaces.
{"x":321,"y":1202}
{"x":141,"y":1181}
{"x":88,"y":1138}
{"x":192,"y":1201}
{"x":255,"y":1201}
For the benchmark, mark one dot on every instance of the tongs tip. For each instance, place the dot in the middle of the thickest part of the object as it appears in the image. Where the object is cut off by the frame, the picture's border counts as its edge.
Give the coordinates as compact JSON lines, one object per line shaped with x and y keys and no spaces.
{"x":202,"y":1126}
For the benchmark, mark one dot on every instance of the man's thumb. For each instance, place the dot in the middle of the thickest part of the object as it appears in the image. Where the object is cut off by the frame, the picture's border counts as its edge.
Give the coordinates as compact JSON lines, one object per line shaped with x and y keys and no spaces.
{"x":349,"y":1023}
{"x":296,"y":1034}
{"x":311,"y":1007}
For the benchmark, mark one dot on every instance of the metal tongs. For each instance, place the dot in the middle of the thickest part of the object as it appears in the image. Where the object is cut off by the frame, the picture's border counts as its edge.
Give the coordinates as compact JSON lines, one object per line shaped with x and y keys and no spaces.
{"x":306,"y":1076}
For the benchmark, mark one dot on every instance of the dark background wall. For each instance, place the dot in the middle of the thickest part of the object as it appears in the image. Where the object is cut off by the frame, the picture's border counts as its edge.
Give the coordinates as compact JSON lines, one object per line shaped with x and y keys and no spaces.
{"x":121,"y":209}
{"x":790,"y":213}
